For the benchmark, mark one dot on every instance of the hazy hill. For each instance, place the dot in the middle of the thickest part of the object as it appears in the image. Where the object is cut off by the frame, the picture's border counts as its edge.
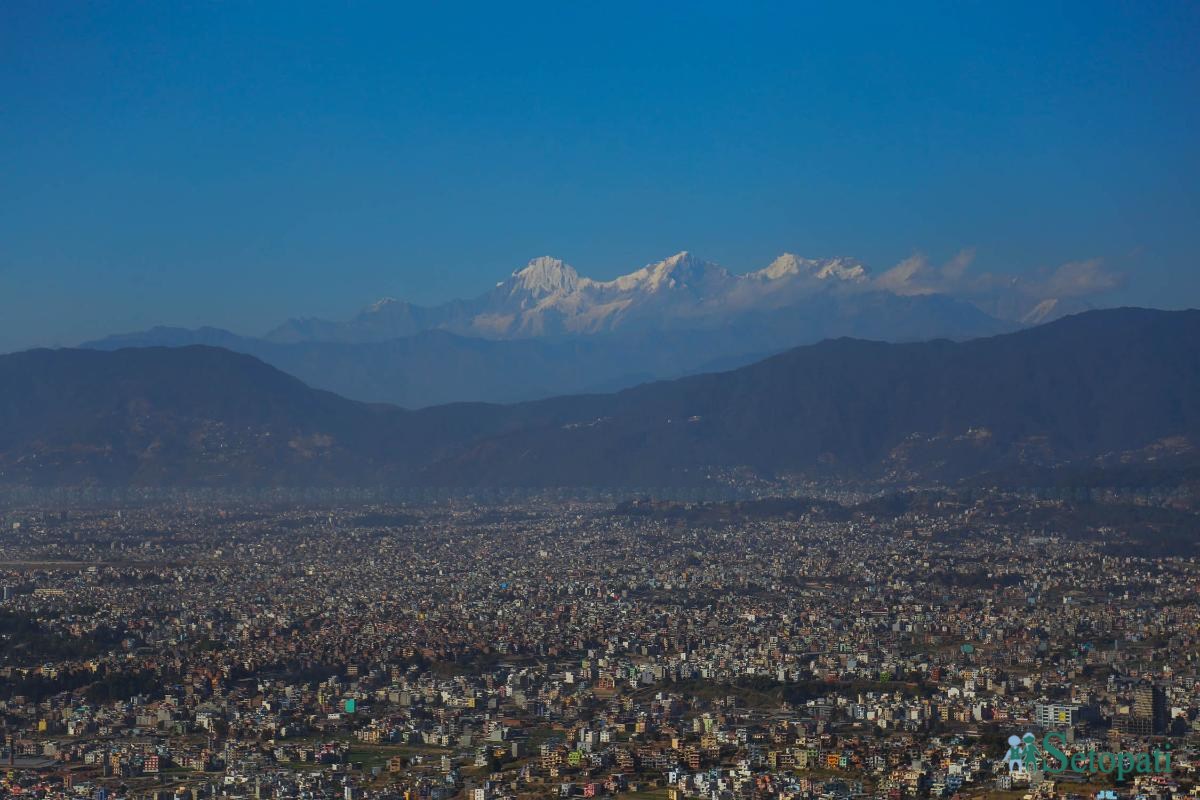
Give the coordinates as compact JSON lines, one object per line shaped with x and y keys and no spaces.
{"x":1091,"y":386}
{"x":547,"y":331}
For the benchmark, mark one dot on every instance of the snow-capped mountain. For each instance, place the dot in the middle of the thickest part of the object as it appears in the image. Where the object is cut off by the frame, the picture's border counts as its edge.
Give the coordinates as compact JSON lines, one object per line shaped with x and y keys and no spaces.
{"x":791,"y":266}
{"x":548,"y":297}
{"x":546,"y":329}
{"x":542,"y":277}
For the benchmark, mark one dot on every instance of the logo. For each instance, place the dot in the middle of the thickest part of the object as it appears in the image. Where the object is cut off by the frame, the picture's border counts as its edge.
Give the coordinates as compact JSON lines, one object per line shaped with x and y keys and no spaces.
{"x":1024,"y":755}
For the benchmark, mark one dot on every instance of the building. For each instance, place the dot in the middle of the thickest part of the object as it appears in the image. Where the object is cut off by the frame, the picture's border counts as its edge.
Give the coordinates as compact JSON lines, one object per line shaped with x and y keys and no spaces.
{"x":1150,"y":705}
{"x":1056,"y":715}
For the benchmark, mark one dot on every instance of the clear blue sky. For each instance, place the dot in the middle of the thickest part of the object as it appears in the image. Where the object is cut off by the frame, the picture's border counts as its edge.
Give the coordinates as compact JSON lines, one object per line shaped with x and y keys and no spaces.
{"x":237,"y":163}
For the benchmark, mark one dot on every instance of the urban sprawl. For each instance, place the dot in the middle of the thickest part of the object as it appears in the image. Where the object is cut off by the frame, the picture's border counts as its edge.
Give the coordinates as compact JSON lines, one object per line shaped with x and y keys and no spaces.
{"x":582,"y":649}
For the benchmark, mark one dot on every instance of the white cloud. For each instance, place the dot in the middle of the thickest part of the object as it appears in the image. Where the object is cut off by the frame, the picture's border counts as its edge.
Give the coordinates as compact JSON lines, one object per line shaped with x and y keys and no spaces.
{"x":1004,"y":295}
{"x":915,"y":275}
{"x":1080,"y":279}
{"x":910,"y":276}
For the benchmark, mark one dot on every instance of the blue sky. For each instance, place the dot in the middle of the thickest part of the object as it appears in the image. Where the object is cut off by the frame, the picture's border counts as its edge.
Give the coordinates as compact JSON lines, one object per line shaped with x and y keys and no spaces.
{"x":236,"y":164}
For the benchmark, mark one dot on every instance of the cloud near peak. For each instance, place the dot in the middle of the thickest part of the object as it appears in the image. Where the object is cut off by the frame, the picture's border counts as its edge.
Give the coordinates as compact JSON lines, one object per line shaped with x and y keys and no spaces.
{"x":1068,"y":287}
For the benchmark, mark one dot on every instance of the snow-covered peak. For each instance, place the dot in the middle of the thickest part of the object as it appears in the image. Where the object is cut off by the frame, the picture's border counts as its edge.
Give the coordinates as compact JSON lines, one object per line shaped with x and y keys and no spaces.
{"x":843,"y":269}
{"x":672,"y":271}
{"x":788,"y":265}
{"x":380,"y":305}
{"x":545,"y":275}
{"x":671,"y":262}
{"x":681,"y":269}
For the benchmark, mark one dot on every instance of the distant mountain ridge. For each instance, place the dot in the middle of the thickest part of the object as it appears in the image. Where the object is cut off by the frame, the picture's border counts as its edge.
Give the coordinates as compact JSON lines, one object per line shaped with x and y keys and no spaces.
{"x":547,"y":297}
{"x":546,"y":330}
{"x":436,"y":366}
{"x":1101,"y":387}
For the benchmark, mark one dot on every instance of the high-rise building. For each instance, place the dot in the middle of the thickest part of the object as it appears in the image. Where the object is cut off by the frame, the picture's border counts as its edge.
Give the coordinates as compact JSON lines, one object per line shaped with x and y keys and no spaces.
{"x":1150,"y":703}
{"x":1148,"y":712}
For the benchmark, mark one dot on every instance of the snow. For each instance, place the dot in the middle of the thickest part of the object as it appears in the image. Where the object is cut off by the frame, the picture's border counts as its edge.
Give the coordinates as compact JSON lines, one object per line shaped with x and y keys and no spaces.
{"x":546,"y":275}
{"x":381,"y":304}
{"x":789,"y":265}
{"x":548,"y":296}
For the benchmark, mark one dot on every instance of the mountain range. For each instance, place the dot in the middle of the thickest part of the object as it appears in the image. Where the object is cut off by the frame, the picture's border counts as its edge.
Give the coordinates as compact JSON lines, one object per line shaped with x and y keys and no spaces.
{"x":1115,"y":386}
{"x":546,"y":330}
{"x":549,"y":298}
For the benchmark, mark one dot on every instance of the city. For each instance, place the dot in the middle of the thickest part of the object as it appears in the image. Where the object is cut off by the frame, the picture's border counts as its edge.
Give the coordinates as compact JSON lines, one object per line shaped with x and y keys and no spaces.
{"x":580,"y":648}
{"x":547,"y":400}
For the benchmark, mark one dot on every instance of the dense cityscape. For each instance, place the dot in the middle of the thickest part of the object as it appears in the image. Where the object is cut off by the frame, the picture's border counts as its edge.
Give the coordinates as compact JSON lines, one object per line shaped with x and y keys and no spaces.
{"x":599,"y":401}
{"x":789,"y":649}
